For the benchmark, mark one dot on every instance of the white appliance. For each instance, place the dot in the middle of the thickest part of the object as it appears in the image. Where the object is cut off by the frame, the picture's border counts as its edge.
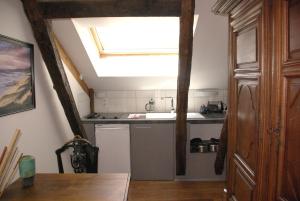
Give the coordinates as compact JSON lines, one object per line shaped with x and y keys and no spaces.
{"x":113,"y":141}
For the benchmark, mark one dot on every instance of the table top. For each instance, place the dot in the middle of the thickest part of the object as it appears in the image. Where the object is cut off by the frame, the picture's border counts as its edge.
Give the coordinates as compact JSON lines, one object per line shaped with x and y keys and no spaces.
{"x":71,"y":187}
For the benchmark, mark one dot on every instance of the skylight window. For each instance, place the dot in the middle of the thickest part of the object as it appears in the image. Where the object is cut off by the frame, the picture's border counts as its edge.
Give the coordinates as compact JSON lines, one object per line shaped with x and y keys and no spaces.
{"x":137,"y":37}
{"x":134,"y":46}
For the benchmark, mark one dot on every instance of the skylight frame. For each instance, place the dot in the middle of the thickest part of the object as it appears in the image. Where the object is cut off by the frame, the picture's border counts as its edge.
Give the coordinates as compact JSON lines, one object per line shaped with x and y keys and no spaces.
{"x":105,"y":53}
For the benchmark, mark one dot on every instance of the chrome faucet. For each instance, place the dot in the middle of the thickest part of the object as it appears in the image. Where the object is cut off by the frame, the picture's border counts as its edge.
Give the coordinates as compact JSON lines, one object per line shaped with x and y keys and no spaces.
{"x":172,"y":103}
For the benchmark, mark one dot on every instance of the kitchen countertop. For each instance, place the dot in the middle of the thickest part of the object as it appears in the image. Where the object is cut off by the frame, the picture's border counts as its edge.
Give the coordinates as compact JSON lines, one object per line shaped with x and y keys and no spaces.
{"x":123,"y":119}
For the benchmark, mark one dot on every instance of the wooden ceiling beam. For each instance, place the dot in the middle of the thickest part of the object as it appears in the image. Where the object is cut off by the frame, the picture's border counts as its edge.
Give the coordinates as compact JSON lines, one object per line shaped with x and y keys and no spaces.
{"x":71,"y":66}
{"x":45,"y":38}
{"x":75,"y":72}
{"x":183,"y":82}
{"x":109,"y":8}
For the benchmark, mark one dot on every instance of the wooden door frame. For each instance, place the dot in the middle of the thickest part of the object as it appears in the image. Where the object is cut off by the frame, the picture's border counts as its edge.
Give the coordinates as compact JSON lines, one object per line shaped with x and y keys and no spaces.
{"x":234,"y":9}
{"x":285,"y":68}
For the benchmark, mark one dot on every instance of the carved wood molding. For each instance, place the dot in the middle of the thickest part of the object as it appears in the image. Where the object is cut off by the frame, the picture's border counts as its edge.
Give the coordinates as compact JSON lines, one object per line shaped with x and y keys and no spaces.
{"x":223,"y":7}
{"x":45,"y":38}
{"x":109,"y":8}
{"x":248,"y":19}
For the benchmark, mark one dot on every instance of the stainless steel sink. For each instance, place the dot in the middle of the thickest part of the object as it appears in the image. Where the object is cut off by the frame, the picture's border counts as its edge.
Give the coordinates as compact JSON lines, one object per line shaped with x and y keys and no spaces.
{"x":160,"y":115}
{"x":164,"y":116}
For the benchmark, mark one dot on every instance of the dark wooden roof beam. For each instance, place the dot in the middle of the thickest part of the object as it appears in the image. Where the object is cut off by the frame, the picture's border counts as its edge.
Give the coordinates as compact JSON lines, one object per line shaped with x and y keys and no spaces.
{"x":183,"y":82}
{"x":45,"y":38}
{"x":109,"y":8}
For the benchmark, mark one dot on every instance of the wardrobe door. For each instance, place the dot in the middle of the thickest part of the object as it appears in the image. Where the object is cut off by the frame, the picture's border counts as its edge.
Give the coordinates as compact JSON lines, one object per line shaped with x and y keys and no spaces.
{"x":247,"y":109}
{"x":288,"y":66}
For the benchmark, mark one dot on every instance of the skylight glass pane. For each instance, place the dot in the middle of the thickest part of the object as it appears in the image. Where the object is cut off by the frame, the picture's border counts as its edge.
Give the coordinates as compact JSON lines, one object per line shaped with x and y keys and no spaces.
{"x":139,"y":34}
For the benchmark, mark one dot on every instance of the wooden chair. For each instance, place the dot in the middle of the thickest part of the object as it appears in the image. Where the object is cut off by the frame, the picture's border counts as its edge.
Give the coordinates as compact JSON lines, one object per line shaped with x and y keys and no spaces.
{"x":84,"y":158}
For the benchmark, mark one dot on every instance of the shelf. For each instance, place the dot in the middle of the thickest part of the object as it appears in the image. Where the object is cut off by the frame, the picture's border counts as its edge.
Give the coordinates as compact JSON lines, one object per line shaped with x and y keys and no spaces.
{"x":197,"y":152}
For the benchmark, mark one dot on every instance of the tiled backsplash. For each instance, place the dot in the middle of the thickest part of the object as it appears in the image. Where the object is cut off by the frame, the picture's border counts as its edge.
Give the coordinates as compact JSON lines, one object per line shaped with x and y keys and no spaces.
{"x":134,"y":101}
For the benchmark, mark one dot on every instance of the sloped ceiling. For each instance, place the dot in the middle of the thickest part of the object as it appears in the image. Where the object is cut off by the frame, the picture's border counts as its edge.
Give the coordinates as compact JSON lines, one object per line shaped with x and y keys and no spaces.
{"x":209,"y":65}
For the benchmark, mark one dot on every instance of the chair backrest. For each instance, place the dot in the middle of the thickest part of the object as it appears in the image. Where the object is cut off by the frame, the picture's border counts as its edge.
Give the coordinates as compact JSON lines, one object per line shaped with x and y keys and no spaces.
{"x":84,"y":158}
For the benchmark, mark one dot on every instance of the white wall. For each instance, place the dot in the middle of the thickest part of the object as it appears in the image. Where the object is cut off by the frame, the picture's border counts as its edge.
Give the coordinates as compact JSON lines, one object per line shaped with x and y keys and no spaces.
{"x":210,"y":52}
{"x":45,"y":128}
{"x":82,"y":100}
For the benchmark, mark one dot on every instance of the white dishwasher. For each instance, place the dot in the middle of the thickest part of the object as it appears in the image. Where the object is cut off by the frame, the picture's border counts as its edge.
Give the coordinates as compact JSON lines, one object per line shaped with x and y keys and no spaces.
{"x":113,"y":141}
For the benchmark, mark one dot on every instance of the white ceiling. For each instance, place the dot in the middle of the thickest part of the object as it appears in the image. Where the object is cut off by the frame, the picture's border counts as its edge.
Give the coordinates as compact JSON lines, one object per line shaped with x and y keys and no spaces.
{"x":209,"y":65}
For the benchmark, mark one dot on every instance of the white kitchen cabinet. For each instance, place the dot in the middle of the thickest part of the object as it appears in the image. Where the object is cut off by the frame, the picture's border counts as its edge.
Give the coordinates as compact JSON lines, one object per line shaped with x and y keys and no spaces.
{"x":113,"y":141}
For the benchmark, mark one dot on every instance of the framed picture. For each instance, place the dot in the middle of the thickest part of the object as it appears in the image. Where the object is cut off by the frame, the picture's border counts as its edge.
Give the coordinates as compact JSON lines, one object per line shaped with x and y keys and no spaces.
{"x":16,"y":76}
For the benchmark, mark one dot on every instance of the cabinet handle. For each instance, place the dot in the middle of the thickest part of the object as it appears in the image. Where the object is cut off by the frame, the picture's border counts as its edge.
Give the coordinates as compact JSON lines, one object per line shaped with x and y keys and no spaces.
{"x":143,"y":127}
{"x":109,"y":128}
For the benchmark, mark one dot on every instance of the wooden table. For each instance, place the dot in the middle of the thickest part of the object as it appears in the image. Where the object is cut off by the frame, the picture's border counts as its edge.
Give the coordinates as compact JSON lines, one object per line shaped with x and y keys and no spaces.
{"x":71,"y":187}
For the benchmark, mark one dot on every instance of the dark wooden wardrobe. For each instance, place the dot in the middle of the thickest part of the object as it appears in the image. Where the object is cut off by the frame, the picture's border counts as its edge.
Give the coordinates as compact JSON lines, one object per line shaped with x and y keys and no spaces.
{"x":264,"y":99}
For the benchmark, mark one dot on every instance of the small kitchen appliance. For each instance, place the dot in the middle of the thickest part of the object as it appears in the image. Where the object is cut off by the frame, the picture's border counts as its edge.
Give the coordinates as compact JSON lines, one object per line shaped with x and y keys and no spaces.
{"x":212,"y":107}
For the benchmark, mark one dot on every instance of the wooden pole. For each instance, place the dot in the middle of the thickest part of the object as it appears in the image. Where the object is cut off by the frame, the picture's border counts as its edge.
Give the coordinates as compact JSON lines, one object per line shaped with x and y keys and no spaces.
{"x":92,"y":100}
{"x":183,"y":83}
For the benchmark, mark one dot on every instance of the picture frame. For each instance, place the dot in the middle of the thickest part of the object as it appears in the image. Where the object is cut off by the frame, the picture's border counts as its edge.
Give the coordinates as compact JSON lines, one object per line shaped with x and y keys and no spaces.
{"x":17,"y":91}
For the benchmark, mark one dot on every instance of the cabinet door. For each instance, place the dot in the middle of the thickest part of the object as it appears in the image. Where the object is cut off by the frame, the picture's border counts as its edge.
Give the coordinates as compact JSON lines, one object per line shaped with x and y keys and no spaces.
{"x":152,"y":151}
{"x":113,"y":141}
{"x":287,"y":137}
{"x":248,"y":106}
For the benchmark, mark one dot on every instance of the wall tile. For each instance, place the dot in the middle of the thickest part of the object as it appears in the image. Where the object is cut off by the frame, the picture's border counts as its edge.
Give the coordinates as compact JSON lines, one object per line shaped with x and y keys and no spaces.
{"x":140,"y":104}
{"x":134,"y":101}
{"x":206,"y":93}
{"x":191,"y":93}
{"x":120,"y":94}
{"x":171,"y":93}
{"x":130,"y":105}
{"x":168,"y":104}
{"x":198,"y":102}
{"x":114,"y":94}
{"x":225,"y":99}
{"x":191,"y":105}
{"x":160,"y":93}
{"x":116,"y":105}
{"x":145,"y":94}
{"x":160,"y":105}
{"x":100,"y":105}
{"x":100,"y":94}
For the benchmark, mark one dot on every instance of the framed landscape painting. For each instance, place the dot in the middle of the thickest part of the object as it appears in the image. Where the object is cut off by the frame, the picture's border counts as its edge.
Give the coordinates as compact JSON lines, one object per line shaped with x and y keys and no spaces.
{"x":16,"y":76}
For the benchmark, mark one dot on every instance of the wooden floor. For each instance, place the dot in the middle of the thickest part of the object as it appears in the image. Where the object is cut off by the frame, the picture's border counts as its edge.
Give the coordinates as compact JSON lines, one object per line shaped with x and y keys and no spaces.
{"x":175,"y":191}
